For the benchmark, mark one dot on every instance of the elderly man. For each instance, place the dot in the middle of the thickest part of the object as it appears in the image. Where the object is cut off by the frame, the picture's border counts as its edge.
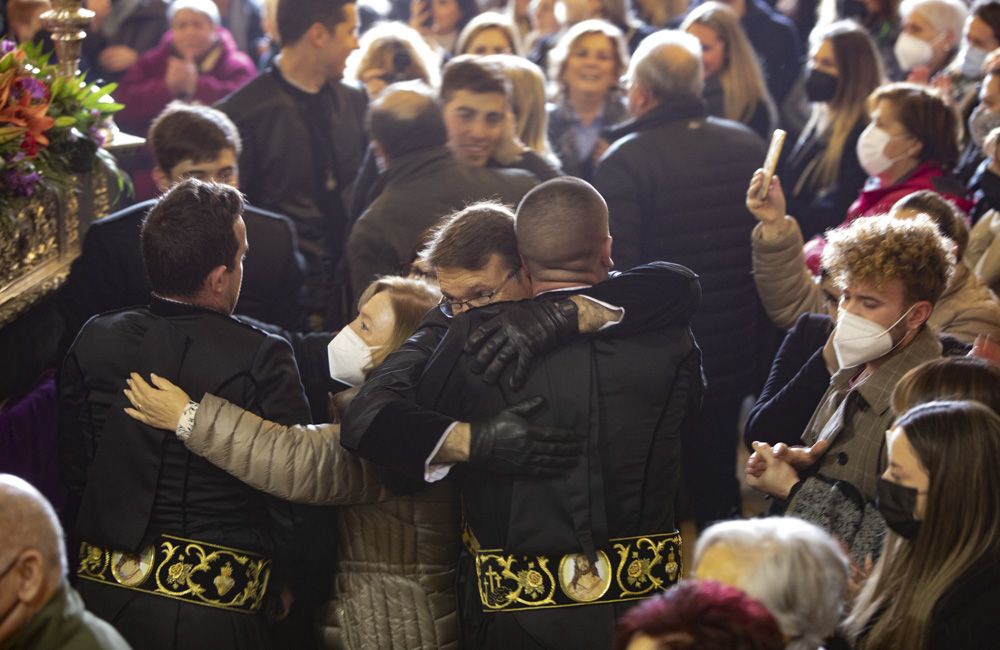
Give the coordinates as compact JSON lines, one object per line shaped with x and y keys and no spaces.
{"x":797,"y":570}
{"x":423,"y":182}
{"x":674,"y":182}
{"x":38,"y":608}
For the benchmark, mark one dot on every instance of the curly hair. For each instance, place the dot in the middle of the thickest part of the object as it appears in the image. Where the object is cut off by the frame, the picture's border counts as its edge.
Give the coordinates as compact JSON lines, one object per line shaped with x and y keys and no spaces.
{"x":879,"y":249}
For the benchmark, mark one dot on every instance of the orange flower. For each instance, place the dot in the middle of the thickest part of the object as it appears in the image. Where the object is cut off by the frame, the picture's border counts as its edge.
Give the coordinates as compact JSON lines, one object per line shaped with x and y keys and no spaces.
{"x":23,"y":114}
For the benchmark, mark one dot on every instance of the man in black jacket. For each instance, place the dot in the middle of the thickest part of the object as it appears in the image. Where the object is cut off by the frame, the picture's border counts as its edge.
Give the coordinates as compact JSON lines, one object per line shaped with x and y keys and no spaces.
{"x":174,"y":551}
{"x":304,"y":139}
{"x":675,"y":183}
{"x":393,"y":422}
{"x":554,"y":559}
{"x":187,"y":142}
{"x":423,"y":183}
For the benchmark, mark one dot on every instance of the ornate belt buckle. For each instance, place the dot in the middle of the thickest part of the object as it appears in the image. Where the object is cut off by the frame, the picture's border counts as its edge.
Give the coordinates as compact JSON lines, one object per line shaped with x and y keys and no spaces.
{"x":132,"y":569}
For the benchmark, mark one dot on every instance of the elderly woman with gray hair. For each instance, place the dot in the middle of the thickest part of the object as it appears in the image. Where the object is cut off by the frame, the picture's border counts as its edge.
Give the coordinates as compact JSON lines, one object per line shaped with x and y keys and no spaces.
{"x":794,"y":568}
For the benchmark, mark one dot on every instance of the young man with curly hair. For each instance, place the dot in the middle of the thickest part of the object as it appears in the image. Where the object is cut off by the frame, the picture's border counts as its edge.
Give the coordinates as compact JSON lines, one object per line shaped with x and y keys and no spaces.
{"x":892,"y":272}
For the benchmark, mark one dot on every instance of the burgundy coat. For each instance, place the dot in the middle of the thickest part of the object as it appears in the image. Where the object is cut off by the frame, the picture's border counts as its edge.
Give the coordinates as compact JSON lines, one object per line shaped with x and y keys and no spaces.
{"x":144,"y":91}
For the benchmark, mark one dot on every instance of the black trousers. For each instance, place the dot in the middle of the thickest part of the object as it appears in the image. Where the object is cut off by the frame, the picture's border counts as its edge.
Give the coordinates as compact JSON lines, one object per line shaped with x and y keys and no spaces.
{"x":711,"y":491}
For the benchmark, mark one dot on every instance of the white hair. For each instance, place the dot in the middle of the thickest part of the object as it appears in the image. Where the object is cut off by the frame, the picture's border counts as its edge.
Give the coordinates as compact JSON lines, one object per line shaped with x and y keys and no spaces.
{"x":668,"y":64}
{"x":207,"y":7}
{"x":794,"y":568}
{"x":943,"y":15}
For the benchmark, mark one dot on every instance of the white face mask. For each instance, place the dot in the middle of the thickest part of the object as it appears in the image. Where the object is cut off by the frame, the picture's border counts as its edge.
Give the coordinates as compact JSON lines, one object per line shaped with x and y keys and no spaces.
{"x":972,"y":59}
{"x":858,"y":340}
{"x":871,"y":150}
{"x":911,"y":51}
{"x":350,"y":358}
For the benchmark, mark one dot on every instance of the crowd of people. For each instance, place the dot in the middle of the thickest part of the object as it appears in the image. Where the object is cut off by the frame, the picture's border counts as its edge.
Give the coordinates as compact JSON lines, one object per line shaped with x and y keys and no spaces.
{"x":433,"y":320}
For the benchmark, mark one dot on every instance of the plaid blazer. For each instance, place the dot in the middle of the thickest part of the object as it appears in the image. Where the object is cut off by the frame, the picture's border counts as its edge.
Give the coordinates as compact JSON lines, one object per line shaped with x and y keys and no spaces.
{"x":855,"y":419}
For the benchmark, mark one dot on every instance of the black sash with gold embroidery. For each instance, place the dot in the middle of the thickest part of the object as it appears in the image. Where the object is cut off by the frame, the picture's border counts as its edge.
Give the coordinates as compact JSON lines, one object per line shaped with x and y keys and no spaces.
{"x":628,"y":568}
{"x":184,"y":569}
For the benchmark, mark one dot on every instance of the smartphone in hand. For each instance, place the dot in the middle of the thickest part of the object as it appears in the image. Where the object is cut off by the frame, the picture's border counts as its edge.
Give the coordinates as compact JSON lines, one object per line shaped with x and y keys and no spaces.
{"x":771,"y":162}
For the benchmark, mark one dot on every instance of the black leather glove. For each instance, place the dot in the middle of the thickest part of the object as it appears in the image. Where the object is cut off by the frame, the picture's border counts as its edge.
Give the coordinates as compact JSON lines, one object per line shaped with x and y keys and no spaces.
{"x":509,"y":444}
{"x":523,"y":331}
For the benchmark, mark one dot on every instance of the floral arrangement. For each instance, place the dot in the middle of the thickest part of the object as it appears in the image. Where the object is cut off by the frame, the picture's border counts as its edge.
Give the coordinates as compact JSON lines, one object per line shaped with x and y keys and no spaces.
{"x":50,"y":127}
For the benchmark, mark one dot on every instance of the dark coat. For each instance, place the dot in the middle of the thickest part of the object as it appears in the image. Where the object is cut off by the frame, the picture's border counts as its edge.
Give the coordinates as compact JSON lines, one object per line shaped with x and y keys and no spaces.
{"x":817,"y":209}
{"x":301,"y":152}
{"x":653,"y":296}
{"x":418,"y":190}
{"x":631,"y":398}
{"x":762,"y":121}
{"x":797,"y":381}
{"x":675,"y":182}
{"x":776,"y":42}
{"x":110,"y":272}
{"x":137,"y":482}
{"x":965,"y":616}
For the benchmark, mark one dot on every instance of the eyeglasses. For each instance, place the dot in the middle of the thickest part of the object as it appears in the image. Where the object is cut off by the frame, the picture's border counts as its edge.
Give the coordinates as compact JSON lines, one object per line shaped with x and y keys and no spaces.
{"x":451,"y":307}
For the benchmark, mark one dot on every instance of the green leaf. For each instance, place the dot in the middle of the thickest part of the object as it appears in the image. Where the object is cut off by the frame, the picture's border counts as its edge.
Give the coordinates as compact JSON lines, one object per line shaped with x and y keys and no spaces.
{"x":65,"y":121}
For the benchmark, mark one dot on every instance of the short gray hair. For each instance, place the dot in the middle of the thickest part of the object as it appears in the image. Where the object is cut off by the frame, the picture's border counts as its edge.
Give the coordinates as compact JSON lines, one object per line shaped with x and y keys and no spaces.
{"x":668,"y":64}
{"x":794,"y":568}
{"x":943,"y":15}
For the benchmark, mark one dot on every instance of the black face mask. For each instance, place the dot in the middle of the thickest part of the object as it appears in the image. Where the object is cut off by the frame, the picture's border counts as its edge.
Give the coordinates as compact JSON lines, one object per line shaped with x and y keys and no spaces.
{"x":897,"y":503}
{"x":820,"y":86}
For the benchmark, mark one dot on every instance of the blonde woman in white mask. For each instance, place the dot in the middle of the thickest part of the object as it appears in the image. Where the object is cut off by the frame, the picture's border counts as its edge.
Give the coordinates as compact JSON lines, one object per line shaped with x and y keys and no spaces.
{"x":929,"y":40}
{"x":385,"y":593}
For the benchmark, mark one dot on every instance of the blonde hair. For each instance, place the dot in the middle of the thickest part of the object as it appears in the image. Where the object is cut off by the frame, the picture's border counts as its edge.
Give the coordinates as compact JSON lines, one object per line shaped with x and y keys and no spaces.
{"x":486,"y":21}
{"x":527,"y":99}
{"x":410,"y":299}
{"x":743,"y":86}
{"x":881,"y":249}
{"x":859,"y":74}
{"x":381,"y":43}
{"x":560,"y":53}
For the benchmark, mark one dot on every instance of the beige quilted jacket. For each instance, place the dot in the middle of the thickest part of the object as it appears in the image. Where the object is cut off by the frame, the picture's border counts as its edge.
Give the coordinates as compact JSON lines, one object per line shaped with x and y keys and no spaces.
{"x":395,"y":579}
{"x":787,"y":290}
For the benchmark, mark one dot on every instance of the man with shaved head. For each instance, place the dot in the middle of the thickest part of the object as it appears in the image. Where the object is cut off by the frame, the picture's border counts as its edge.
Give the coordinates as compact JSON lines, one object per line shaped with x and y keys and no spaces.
{"x":422,"y":182}
{"x":675,"y":182}
{"x":542,"y":550}
{"x":38,"y":608}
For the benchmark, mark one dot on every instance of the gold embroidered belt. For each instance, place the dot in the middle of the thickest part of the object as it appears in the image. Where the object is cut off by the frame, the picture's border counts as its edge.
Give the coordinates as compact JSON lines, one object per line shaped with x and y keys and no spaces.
{"x":628,"y":568}
{"x":183,"y":569}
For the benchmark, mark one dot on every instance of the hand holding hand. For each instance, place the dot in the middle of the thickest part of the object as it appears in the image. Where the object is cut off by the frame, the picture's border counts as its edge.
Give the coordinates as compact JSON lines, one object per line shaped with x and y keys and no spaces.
{"x":181,"y":77}
{"x":510,"y":444}
{"x":801,"y":458}
{"x":521,"y":333}
{"x":777,"y":478}
{"x":159,"y":407}
{"x":771,"y":209}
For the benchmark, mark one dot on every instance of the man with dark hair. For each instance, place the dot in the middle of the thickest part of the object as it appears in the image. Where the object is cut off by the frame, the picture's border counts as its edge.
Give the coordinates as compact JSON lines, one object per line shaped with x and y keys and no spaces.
{"x":422,"y":182}
{"x":304,"y":141}
{"x":538,"y":500}
{"x":187,"y":142}
{"x":175,"y":551}
{"x":474,"y":100}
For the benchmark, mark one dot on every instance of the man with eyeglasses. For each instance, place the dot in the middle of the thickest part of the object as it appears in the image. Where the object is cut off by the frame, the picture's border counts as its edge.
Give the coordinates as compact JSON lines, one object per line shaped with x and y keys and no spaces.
{"x":38,"y":608}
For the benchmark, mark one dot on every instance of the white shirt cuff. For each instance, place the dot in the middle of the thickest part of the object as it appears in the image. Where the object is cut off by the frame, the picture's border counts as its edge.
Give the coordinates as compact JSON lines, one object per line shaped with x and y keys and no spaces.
{"x":434,"y":472}
{"x":186,"y":424}
{"x":610,"y":323}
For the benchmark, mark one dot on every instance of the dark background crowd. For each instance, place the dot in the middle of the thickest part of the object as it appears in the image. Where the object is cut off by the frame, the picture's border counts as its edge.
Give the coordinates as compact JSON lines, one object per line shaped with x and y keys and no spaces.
{"x":423,"y":311}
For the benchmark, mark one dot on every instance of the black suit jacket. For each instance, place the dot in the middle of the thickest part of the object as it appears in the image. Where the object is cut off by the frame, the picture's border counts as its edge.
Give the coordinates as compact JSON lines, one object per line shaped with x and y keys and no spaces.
{"x":631,"y":398}
{"x":110,"y":273}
